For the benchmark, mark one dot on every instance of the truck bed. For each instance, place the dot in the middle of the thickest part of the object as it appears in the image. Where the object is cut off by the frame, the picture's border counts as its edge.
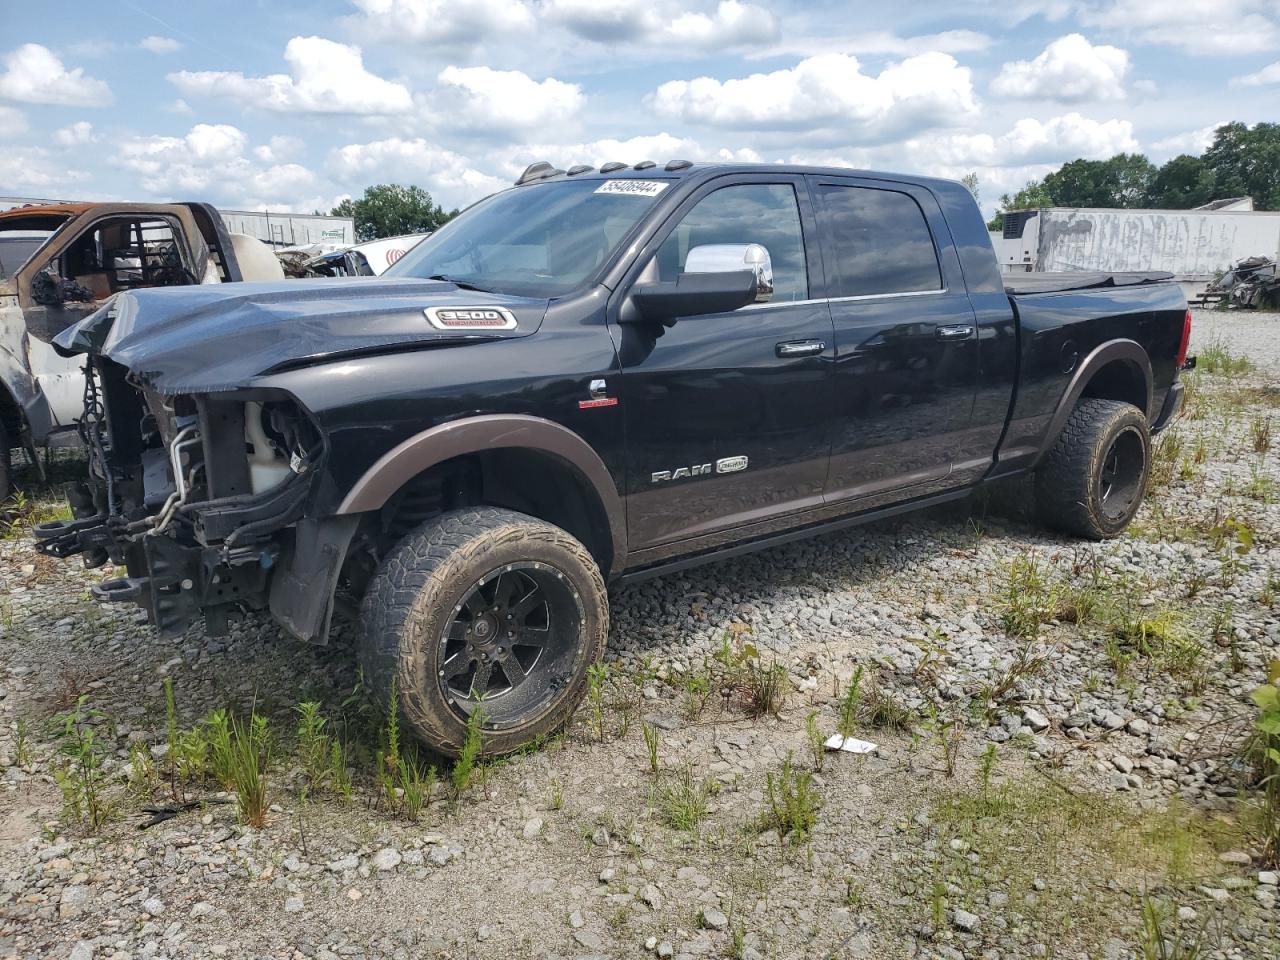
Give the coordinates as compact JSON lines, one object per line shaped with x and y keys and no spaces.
{"x":1024,"y":284}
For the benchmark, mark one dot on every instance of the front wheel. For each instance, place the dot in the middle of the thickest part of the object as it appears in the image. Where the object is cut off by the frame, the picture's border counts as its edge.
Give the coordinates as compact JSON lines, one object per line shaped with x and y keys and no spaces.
{"x":484,"y":610}
{"x":1092,"y":482}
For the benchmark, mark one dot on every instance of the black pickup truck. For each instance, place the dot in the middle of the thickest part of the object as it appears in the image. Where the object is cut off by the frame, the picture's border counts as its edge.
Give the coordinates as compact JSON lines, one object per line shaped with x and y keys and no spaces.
{"x":594,"y":377}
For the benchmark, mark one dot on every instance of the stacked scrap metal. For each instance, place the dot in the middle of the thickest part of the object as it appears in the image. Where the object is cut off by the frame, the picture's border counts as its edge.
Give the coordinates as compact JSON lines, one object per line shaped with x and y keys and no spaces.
{"x":1253,"y":282}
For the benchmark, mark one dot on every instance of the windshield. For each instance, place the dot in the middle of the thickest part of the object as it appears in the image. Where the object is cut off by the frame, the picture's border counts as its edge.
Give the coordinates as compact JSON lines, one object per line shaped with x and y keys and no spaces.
{"x":542,"y":240}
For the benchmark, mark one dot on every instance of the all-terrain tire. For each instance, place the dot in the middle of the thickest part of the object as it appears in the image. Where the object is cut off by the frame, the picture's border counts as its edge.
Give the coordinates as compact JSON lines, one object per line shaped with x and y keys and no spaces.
{"x":1092,"y":482}
{"x":416,"y":596}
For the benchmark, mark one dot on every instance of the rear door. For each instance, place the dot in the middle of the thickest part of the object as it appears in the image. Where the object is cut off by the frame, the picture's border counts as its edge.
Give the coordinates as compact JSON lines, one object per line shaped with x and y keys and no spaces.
{"x":727,"y":414}
{"x":905,"y":335}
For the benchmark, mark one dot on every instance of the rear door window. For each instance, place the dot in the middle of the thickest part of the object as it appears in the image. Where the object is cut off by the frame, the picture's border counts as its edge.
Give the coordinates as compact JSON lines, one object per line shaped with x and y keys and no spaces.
{"x":878,"y":242}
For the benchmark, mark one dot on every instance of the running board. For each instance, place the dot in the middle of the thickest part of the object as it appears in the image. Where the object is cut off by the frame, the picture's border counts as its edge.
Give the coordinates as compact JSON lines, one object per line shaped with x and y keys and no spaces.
{"x":789,"y":536}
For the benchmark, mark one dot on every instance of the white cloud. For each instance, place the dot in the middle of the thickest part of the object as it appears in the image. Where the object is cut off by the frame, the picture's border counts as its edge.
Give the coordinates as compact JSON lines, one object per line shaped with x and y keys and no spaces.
{"x":325,"y":77}
{"x":1070,"y":69}
{"x":442,"y":22}
{"x":13,"y":122}
{"x":931,"y":89}
{"x":1264,"y":77}
{"x":479,"y":98}
{"x":731,"y":24}
{"x":210,"y":160}
{"x":75,"y":135}
{"x":1029,"y":141}
{"x":34,"y":168}
{"x":451,"y":178}
{"x":1218,"y":28}
{"x":279,"y":149}
{"x":1192,"y":141}
{"x":160,"y":44}
{"x":178,"y":106}
{"x":875,"y":42}
{"x":34,"y":75}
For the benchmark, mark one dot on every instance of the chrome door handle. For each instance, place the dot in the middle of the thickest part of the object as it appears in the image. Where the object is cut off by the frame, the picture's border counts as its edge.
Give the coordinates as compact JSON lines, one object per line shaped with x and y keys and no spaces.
{"x":956,"y":332}
{"x":799,"y":348}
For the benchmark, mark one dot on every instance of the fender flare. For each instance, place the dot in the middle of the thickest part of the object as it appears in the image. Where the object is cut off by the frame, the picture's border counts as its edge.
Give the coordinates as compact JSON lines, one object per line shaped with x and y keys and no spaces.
{"x":477,"y":435}
{"x":1129,"y":351}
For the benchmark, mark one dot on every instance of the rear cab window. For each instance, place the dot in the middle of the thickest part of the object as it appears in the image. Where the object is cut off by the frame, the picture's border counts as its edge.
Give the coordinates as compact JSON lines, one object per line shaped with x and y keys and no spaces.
{"x":878,"y":242}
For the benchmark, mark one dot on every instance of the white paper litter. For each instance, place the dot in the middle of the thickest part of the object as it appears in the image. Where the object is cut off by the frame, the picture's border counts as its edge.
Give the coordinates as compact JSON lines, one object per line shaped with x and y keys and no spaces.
{"x":849,"y":744}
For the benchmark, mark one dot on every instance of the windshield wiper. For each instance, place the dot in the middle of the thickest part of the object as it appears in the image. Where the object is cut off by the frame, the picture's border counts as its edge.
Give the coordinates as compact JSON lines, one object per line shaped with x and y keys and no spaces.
{"x":463,"y":284}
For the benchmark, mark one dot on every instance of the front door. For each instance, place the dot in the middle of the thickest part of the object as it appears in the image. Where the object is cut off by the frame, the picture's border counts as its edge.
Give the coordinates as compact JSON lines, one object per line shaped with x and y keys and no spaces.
{"x":906,"y":344}
{"x":727,"y":414}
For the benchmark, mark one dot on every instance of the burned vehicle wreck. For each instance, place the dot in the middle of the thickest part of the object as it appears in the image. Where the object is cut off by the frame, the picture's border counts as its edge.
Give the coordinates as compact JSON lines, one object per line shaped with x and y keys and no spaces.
{"x":595,"y":377}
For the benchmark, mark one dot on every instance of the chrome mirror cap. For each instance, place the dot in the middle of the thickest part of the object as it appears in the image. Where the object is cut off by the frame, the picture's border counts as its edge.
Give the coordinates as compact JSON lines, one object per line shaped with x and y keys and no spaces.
{"x":732,"y":257}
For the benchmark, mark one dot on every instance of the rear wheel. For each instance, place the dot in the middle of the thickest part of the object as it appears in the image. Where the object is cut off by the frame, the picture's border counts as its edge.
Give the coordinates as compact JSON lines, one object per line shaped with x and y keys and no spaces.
{"x":484,"y":610}
{"x":1092,"y":482}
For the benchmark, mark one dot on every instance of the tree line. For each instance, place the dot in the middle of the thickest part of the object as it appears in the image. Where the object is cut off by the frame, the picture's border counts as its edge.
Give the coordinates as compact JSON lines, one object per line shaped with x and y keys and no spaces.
{"x":1242,"y":161}
{"x":393,"y":210}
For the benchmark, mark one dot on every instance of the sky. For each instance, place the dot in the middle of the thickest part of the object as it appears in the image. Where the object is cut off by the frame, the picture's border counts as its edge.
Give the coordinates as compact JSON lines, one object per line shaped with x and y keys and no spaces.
{"x":283,"y":106}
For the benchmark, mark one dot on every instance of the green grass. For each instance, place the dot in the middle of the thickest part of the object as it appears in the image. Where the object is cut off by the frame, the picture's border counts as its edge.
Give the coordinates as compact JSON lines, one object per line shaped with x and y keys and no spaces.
{"x":683,"y":802}
{"x":1217,"y":359}
{"x":791,"y":803}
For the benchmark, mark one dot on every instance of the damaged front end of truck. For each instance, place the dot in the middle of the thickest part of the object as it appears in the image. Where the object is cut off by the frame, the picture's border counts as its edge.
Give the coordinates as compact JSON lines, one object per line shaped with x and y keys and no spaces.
{"x":190,"y":493}
{"x":203,"y":477}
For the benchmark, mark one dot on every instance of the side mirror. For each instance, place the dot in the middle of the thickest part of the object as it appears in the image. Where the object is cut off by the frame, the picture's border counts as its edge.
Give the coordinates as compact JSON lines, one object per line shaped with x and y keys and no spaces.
{"x":717,"y":278}
{"x":725,"y":257}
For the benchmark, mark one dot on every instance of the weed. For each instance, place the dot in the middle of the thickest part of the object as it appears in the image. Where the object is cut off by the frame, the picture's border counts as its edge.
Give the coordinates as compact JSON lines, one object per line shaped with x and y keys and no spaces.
{"x":79,"y":777}
{"x":1260,"y":434}
{"x":849,"y":703}
{"x":766,"y":686}
{"x":556,"y":799}
{"x":697,"y":691}
{"x":1270,"y":590}
{"x":249,"y":746}
{"x":946,"y":731}
{"x":313,"y":744}
{"x":597,"y":677}
{"x":144,"y":779}
{"x":684,"y":802}
{"x":1164,"y":460}
{"x":171,"y":728}
{"x":1029,"y":599}
{"x":464,"y":768}
{"x":791,"y":803}
{"x":884,"y":711}
{"x":938,"y":906}
{"x":1265,"y":746}
{"x":21,"y":745}
{"x":1217,"y":359}
{"x":817,"y":743}
{"x":650,"y":734}
{"x":221,"y":761}
{"x":415,"y":786}
{"x":1161,"y":637}
{"x":1162,"y":938}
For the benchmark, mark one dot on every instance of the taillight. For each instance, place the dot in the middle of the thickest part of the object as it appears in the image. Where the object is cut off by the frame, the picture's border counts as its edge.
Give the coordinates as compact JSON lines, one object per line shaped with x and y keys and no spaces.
{"x":1186,"y":341}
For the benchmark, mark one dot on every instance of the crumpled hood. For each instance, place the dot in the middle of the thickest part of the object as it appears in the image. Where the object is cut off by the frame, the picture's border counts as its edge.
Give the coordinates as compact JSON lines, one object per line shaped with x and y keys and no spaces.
{"x":216,"y":337}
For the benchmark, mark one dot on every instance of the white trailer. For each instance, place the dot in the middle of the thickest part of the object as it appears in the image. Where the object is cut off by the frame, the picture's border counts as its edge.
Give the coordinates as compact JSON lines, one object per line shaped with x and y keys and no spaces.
{"x":1194,"y":245}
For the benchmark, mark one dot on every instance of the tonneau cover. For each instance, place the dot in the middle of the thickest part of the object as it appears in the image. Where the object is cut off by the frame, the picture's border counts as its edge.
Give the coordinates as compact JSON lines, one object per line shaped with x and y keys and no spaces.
{"x":1029,"y":283}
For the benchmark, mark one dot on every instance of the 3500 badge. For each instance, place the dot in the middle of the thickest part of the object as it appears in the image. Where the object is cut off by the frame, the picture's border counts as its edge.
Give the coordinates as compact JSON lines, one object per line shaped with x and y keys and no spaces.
{"x":470,"y":318}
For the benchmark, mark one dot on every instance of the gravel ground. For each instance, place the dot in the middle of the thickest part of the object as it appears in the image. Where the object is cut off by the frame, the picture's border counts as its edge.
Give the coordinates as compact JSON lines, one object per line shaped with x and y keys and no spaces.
{"x":1069,"y":722}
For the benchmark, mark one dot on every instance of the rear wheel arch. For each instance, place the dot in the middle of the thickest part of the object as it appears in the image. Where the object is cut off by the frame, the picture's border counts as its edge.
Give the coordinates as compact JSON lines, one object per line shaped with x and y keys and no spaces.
{"x":1116,"y":370}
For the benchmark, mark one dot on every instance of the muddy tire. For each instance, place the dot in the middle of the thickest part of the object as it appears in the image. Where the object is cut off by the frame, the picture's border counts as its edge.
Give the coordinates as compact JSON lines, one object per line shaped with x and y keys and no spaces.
{"x":484,"y":609}
{"x":1092,"y":482}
